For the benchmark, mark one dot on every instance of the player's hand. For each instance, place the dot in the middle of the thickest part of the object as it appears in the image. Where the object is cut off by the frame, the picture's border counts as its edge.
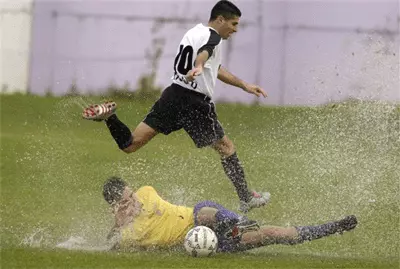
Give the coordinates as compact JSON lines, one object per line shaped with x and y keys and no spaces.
{"x":114,"y":231}
{"x":254,"y":89}
{"x":190,"y":76}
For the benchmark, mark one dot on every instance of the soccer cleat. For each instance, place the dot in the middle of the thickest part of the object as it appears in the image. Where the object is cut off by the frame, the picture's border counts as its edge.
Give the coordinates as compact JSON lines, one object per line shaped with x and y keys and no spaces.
{"x":235,"y":228}
{"x":99,"y":112}
{"x":242,"y":226}
{"x":346,"y":224}
{"x":257,"y":200}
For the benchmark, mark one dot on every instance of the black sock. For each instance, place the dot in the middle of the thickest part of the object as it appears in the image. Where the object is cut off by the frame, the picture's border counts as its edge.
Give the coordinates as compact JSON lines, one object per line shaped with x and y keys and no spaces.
{"x":119,"y":131}
{"x":308,"y":233}
{"x":234,"y":170}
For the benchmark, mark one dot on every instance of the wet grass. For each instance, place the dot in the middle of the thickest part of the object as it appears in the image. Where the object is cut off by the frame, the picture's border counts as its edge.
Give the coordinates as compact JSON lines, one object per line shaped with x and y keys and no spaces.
{"x":318,"y":163}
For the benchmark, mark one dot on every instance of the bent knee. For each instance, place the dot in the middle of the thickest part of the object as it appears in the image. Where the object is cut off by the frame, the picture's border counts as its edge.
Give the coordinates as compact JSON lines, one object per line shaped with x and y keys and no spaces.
{"x":206,"y":216}
{"x":130,"y":149}
{"x":224,"y":147}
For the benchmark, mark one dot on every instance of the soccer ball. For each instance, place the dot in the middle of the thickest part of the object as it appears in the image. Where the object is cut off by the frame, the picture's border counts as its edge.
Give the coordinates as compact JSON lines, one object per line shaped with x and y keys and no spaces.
{"x":201,"y":241}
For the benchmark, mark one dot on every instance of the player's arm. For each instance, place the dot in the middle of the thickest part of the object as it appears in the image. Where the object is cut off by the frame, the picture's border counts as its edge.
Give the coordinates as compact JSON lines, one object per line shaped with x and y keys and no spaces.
{"x":205,"y":51}
{"x":114,"y":247}
{"x":201,"y":59}
{"x":228,"y":78}
{"x":113,"y":239}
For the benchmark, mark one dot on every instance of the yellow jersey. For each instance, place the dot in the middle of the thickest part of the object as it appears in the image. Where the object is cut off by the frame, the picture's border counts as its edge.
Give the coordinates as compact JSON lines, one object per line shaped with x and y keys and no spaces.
{"x":158,"y":224}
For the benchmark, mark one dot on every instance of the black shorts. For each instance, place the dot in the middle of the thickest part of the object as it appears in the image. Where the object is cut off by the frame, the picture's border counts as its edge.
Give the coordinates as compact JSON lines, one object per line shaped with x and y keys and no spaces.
{"x":179,"y":108}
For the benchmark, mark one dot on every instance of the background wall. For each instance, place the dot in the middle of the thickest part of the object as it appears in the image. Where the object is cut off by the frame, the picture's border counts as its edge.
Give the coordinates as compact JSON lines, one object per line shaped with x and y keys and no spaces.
{"x":341,"y":49}
{"x":301,"y":52}
{"x":15,"y":35}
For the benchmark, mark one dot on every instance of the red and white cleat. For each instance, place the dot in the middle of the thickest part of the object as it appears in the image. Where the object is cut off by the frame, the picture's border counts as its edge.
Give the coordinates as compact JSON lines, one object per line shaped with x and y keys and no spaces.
{"x":99,"y":112}
{"x":257,"y":200}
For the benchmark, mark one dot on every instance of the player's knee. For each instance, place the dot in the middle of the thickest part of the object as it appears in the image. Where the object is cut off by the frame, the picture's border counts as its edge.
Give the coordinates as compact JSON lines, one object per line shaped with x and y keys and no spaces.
{"x":227,"y":152}
{"x":206,"y":217}
{"x":136,"y":144}
{"x":224,"y":147}
{"x":231,"y":149}
{"x":129,"y":149}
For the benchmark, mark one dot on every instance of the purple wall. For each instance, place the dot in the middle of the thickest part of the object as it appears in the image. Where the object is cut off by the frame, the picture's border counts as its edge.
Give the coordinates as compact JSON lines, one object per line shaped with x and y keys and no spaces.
{"x":342,"y":49}
{"x":295,"y":53}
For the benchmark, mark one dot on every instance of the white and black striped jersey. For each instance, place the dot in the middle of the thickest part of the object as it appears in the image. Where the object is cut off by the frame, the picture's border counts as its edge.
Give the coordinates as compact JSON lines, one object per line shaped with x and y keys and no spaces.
{"x":196,"y":40}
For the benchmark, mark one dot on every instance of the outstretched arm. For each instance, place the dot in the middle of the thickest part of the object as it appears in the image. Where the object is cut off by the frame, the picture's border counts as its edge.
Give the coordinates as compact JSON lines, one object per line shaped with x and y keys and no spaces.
{"x":228,"y":78}
{"x":113,"y":239}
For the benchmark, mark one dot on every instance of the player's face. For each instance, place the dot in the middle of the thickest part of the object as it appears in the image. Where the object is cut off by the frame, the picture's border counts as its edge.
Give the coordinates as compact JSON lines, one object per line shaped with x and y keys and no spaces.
{"x":229,"y":27}
{"x":127,"y":208}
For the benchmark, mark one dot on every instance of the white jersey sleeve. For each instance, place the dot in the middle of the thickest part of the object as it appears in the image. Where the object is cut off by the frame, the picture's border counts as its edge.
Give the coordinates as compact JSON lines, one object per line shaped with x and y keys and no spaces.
{"x":196,"y":40}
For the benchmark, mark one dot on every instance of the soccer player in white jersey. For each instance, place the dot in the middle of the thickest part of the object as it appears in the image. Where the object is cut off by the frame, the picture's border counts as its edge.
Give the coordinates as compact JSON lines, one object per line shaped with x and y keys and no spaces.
{"x":187,"y":102}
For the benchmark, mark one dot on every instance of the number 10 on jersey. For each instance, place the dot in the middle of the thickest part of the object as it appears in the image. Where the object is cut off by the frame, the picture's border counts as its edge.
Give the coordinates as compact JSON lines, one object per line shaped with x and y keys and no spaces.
{"x":183,"y":64}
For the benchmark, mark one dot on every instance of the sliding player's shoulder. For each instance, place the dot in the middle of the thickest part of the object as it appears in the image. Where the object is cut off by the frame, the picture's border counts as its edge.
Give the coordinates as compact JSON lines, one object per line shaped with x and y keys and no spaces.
{"x":145,"y":190}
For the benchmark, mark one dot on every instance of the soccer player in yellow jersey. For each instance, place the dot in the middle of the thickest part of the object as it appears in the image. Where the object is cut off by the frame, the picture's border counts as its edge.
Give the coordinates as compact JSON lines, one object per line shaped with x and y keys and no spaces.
{"x":143,"y":220}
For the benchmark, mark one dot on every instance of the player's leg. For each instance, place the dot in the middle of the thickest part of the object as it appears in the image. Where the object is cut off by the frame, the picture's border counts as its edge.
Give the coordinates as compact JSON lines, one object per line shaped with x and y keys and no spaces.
{"x":224,"y":222}
{"x":214,"y":216}
{"x":235,"y":172}
{"x":125,"y":139}
{"x":202,"y":125}
{"x":227,"y":225}
{"x":268,"y":235}
{"x":162,"y":118}
{"x":224,"y":147}
{"x":141,"y":136}
{"x":232,"y":167}
{"x":206,"y":217}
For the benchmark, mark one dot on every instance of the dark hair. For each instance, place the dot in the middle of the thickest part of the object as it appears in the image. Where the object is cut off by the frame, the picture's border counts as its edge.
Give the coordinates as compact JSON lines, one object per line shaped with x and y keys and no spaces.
{"x":113,"y":189}
{"x":226,"y":9}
